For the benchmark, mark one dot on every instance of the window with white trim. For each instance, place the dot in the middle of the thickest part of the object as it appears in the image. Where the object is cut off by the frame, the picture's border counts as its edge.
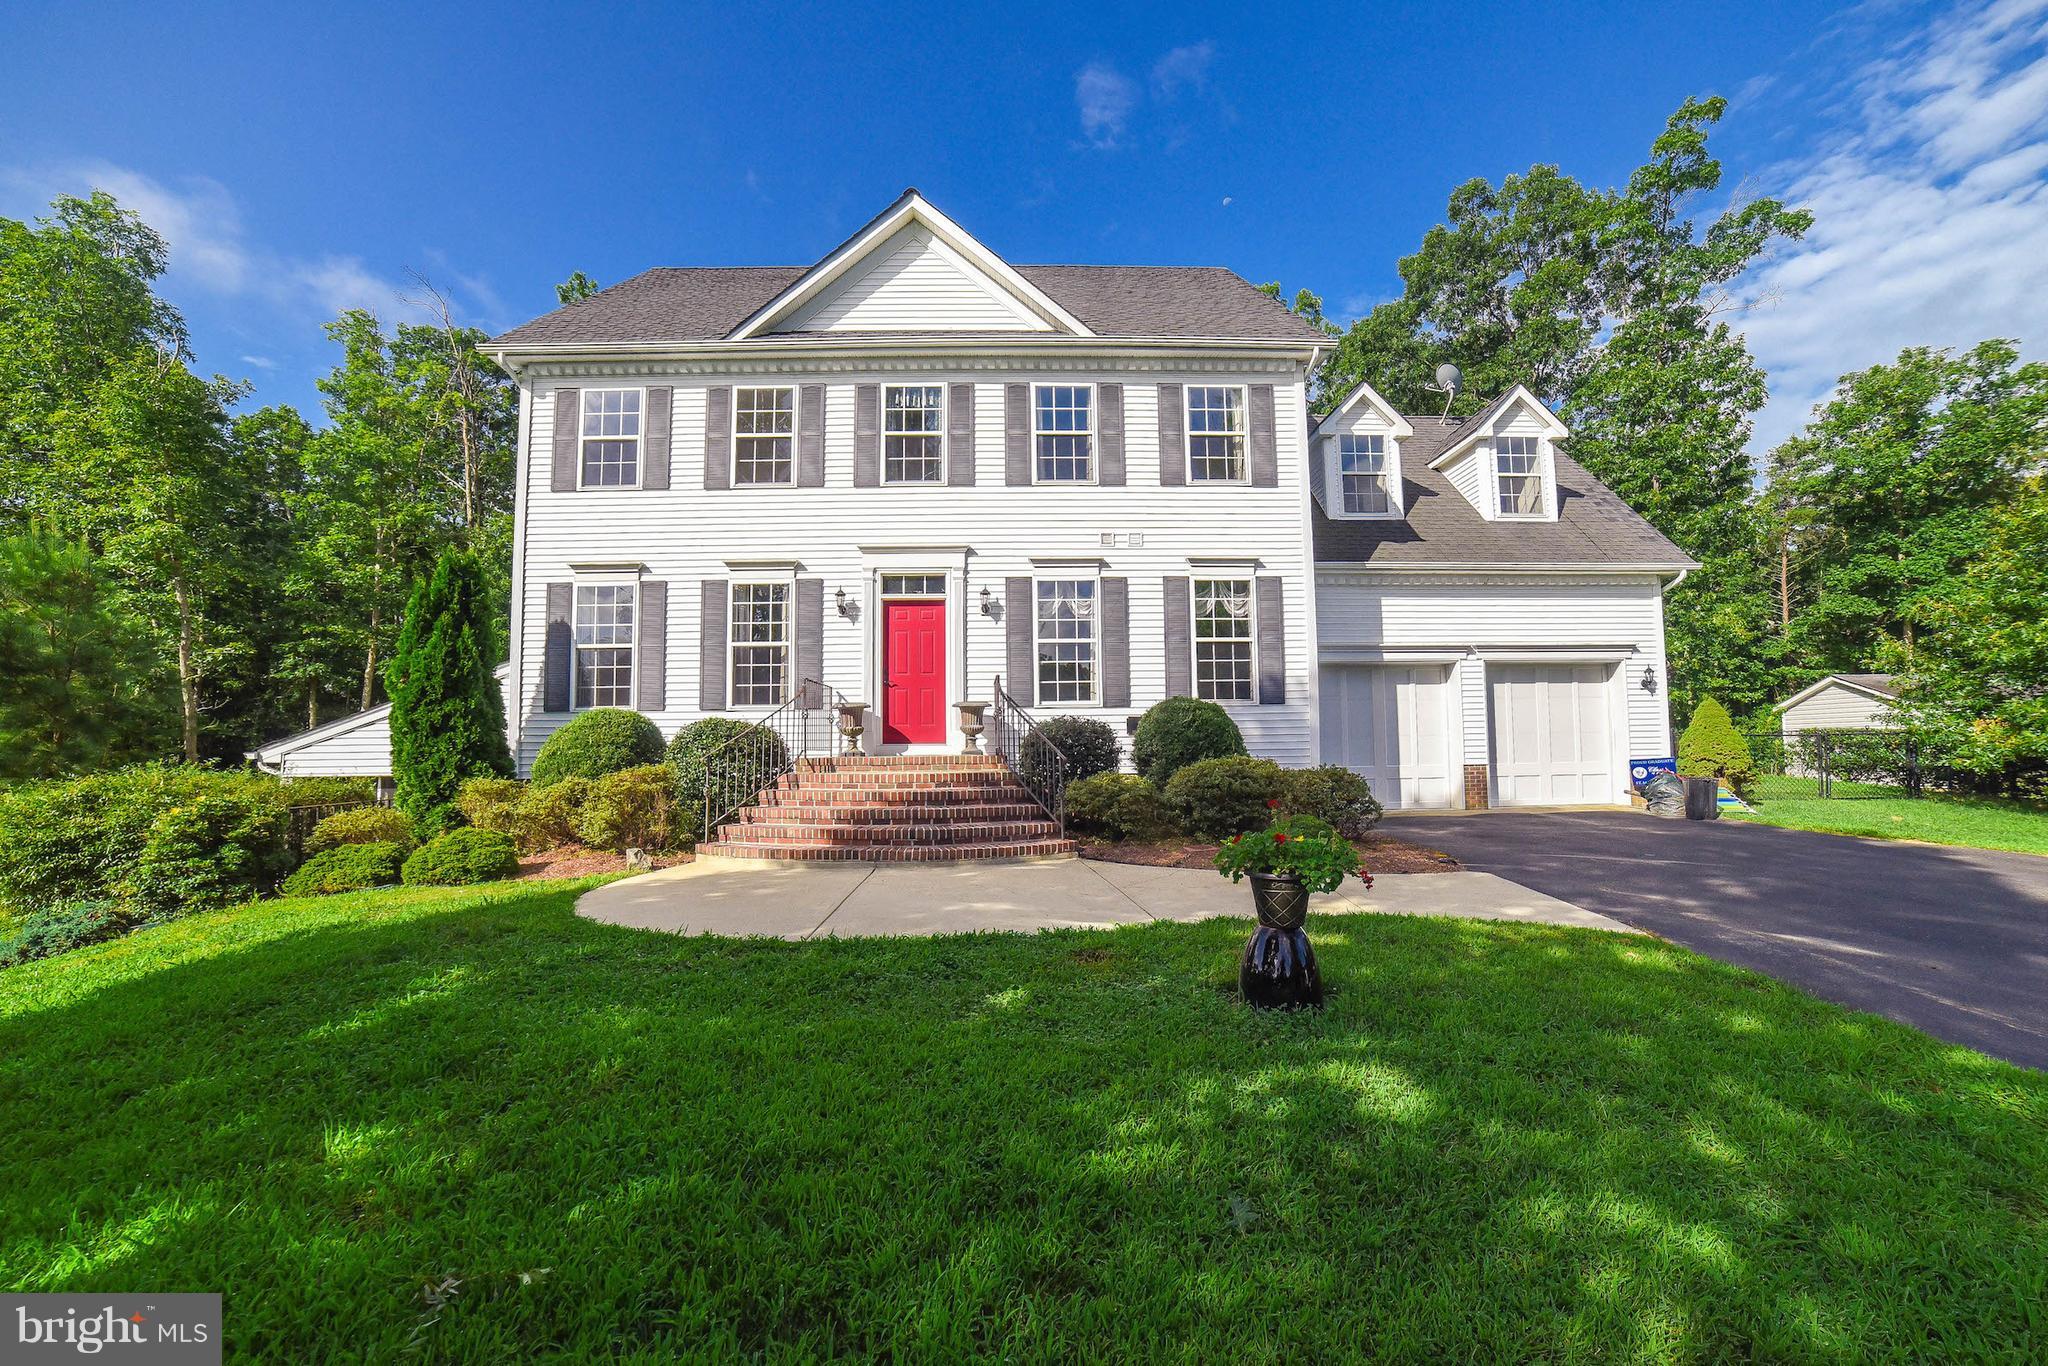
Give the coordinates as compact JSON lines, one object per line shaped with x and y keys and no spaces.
{"x":604,"y":631}
{"x":763,"y":433}
{"x":1518,"y":476}
{"x":760,"y":644}
{"x":1063,"y":433}
{"x":1215,"y":433}
{"x":1223,"y":639}
{"x":610,"y":454}
{"x":913,"y":433}
{"x":1066,"y":640}
{"x":913,"y":585}
{"x":1362,"y":471}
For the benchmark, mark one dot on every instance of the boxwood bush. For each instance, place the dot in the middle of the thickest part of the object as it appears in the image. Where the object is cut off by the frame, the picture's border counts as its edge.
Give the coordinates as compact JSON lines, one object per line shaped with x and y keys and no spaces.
{"x":1330,"y":793}
{"x":597,"y":742}
{"x":460,"y":857}
{"x":1090,"y":747}
{"x":1122,"y":806}
{"x":489,"y":803}
{"x":695,"y":757}
{"x":631,"y":809}
{"x":348,"y":868}
{"x":1181,"y":731}
{"x":211,"y":852}
{"x":361,"y":825}
{"x":1218,"y":798}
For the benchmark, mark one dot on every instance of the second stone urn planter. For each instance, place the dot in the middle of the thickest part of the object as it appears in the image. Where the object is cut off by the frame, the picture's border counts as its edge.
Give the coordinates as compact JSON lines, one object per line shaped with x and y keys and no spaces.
{"x":852,"y":721}
{"x":973,"y":720}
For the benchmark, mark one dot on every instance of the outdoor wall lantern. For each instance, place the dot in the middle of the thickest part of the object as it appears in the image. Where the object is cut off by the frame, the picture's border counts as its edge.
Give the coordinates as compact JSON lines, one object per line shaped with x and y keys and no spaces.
{"x":845,"y":607}
{"x":1649,"y":680}
{"x":988,"y":602}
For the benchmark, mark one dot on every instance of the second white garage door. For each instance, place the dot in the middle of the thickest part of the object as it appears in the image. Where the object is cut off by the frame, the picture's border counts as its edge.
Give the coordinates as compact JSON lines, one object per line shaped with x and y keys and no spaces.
{"x":1391,"y":725}
{"x":1553,"y":740}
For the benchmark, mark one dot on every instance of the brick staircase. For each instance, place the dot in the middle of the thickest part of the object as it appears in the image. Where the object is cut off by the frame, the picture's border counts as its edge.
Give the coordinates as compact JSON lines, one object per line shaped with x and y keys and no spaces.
{"x":892,"y":809}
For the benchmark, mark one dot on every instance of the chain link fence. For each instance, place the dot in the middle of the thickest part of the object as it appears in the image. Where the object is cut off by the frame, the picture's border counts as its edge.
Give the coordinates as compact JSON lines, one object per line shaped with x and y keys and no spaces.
{"x":1848,"y":765}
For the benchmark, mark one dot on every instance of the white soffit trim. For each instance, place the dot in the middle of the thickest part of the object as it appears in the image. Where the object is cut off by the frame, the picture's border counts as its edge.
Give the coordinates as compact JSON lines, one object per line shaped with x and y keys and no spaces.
{"x":910,"y":207}
{"x":1519,"y":396}
{"x":1370,"y":396}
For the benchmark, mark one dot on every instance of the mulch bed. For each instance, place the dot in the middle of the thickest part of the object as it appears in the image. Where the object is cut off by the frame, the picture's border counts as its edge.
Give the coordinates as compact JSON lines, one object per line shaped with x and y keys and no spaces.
{"x":573,"y":860}
{"x":1381,"y":854}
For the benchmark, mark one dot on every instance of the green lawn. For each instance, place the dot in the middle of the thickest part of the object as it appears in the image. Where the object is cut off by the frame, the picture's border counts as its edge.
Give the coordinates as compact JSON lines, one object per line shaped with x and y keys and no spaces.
{"x":1980,"y":823}
{"x":466,"y":1126}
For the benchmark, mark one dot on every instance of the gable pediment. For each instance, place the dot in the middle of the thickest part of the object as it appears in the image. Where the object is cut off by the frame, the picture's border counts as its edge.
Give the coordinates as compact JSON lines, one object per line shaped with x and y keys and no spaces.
{"x":911,"y":282}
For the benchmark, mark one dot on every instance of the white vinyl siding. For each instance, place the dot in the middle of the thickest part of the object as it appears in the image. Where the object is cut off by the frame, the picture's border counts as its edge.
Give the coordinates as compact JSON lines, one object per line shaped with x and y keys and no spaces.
{"x":1835,"y":707}
{"x":913,"y":283}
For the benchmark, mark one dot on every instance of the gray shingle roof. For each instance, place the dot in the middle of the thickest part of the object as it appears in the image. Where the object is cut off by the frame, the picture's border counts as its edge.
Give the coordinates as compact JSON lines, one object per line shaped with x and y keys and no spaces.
{"x":1593,"y":526}
{"x":1875,"y":682}
{"x":704,"y":303}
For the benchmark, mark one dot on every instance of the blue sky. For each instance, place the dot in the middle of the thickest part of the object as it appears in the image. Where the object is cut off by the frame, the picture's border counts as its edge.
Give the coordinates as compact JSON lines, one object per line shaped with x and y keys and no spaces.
{"x":302,"y":160}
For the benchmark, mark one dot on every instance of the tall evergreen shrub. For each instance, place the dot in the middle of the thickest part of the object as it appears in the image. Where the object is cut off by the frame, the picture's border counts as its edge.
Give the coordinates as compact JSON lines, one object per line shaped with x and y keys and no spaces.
{"x":447,"y":715}
{"x":1711,"y":747}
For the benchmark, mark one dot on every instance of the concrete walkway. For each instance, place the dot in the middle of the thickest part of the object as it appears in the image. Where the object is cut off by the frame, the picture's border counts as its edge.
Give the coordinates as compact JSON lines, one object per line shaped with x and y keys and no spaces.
{"x":806,"y":901}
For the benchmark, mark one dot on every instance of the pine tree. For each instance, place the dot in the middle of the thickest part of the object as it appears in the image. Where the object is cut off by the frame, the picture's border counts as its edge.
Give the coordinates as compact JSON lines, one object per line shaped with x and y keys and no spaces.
{"x":447,"y":715}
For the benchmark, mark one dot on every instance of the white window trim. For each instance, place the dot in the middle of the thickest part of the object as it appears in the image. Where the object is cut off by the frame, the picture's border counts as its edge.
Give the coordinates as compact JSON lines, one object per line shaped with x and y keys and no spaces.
{"x":1188,"y":434}
{"x":945,"y":445}
{"x":786,"y":580}
{"x":796,"y":425}
{"x":1094,"y":434}
{"x":639,"y":442}
{"x":576,"y":650}
{"x":1333,"y":479}
{"x":1215,"y":575}
{"x":1546,"y":482}
{"x":1090,"y":572}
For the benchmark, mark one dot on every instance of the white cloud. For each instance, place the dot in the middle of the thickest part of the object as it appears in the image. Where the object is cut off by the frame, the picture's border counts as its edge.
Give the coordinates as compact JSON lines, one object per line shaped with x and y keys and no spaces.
{"x":1105,"y":98}
{"x":1183,"y":68}
{"x":1930,"y":212}
{"x":260,"y":362}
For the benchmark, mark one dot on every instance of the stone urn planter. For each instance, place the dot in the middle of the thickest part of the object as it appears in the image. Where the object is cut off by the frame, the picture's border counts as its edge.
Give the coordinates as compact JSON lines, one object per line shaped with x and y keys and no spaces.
{"x":852,"y":721}
{"x":972,"y":723}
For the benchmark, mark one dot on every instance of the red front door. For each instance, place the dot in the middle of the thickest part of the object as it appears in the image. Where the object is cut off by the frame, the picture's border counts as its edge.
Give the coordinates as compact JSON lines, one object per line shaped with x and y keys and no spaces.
{"x":913,"y":673}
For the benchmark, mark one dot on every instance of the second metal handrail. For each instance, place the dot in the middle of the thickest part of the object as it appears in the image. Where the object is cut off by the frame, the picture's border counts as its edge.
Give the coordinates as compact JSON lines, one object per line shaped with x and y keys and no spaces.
{"x":1040,"y":765}
{"x":743,"y":767}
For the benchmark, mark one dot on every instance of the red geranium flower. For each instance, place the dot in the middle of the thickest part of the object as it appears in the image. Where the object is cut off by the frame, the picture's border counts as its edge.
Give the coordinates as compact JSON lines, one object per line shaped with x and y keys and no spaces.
{"x":1279,"y":839}
{"x":1272,"y":803}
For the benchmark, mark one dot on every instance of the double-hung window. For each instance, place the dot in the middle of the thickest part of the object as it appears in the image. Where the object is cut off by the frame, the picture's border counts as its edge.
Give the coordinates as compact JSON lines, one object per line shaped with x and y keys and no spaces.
{"x":604,"y":644}
{"x":763,"y":431}
{"x":1215,"y":433}
{"x":1066,"y":640}
{"x":760,"y":644}
{"x":1063,"y":427}
{"x":1223,"y":639}
{"x":611,"y":438}
{"x":1362,"y":467}
{"x":1518,"y":476}
{"x":913,"y":426}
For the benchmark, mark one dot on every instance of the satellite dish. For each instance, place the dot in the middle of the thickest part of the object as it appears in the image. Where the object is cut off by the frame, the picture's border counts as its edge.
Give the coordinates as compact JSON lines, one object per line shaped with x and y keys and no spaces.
{"x":1449,"y":378}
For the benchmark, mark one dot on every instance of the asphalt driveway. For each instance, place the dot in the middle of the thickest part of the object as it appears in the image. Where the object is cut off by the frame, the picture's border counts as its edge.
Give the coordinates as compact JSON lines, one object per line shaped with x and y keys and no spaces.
{"x":1952,"y":941}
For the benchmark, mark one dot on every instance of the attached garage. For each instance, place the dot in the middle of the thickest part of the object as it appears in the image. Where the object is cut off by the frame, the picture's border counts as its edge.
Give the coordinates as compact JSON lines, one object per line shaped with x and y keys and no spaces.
{"x":1555,"y":734}
{"x":1392,"y":724}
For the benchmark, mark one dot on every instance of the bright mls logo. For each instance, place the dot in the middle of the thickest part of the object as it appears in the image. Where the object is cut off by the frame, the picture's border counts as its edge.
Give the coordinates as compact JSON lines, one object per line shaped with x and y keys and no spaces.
{"x":170,"y":1329}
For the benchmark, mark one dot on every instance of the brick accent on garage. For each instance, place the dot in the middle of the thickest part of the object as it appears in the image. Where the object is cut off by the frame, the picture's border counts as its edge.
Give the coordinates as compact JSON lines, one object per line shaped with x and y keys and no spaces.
{"x":1475,"y":787}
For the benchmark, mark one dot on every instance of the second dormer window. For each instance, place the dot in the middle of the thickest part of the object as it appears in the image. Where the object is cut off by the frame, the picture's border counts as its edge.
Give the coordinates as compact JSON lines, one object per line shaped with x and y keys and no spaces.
{"x":1362,"y":465}
{"x":1518,"y":476}
{"x":763,"y":430}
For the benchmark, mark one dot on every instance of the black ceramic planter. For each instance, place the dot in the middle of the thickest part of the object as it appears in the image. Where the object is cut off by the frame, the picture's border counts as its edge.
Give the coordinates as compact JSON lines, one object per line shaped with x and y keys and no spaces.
{"x":1278,"y":971}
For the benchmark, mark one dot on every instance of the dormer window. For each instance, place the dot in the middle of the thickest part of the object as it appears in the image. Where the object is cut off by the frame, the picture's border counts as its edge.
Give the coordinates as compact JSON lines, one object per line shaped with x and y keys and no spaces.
{"x":1362,"y":471}
{"x":1518,"y":476}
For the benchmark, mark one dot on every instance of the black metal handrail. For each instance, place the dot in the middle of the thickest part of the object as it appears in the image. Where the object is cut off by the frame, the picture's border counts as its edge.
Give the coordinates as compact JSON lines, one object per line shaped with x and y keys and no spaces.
{"x":1040,"y":765}
{"x":743,"y":767}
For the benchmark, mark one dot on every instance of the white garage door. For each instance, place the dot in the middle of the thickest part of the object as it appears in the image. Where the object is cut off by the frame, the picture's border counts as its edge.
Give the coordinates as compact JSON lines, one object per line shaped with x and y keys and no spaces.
{"x":1389,"y":723}
{"x":1552,"y":734}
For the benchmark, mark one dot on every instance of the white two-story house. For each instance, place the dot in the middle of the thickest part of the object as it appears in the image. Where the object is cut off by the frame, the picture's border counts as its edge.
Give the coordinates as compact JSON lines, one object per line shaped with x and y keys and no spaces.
{"x":913,"y":468}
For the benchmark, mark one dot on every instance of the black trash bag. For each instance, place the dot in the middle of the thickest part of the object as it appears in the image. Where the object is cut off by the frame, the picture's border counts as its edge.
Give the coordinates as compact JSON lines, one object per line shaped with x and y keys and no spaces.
{"x":1665,"y":792}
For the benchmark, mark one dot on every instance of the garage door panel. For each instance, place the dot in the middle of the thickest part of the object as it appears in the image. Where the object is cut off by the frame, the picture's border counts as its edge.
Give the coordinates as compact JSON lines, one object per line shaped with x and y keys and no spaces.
{"x":1552,"y":734}
{"x":1392,"y":726}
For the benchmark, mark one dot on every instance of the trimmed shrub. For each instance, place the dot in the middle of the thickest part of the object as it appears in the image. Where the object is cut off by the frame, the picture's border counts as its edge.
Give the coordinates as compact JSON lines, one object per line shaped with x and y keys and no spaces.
{"x":1218,"y":798}
{"x":327,"y":791}
{"x":60,"y":929}
{"x":546,"y":816}
{"x":361,"y":825}
{"x":690,"y":758}
{"x":1711,"y":747}
{"x":1090,"y":746}
{"x":1182,"y":731}
{"x":595,"y":743}
{"x":460,"y":857}
{"x":1332,"y":794}
{"x":447,"y":711}
{"x":631,"y":809}
{"x":489,"y":803}
{"x":347,"y":868}
{"x":1122,"y":806}
{"x":212,"y":852}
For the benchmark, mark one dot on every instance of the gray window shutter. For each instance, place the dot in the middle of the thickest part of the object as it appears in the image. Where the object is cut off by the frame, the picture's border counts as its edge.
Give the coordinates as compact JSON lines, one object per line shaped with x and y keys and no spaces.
{"x":654,"y":443}
{"x":568,"y":419}
{"x":1016,"y":434}
{"x":1110,"y":439}
{"x":960,"y":435}
{"x":1265,"y":446}
{"x":718,"y":437}
{"x":711,"y":627}
{"x":1116,"y":642}
{"x":653,"y":661}
{"x":1173,"y":452}
{"x":558,"y":658}
{"x":810,"y":635}
{"x":867,"y":436}
{"x":1272,"y":631}
{"x":1180,"y":660}
{"x":810,"y":437}
{"x":1020,"y":618}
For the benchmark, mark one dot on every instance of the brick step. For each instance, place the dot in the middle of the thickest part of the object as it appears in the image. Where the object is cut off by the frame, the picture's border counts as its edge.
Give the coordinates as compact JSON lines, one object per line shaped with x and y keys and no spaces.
{"x":924,"y":853}
{"x":839,"y":813}
{"x":942,"y":794}
{"x":900,"y":763}
{"x":898,"y":782}
{"x":952,"y":832}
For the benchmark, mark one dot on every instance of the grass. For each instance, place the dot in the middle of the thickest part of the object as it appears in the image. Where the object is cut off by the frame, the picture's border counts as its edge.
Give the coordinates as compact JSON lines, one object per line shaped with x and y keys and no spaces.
{"x":467,"y":1126}
{"x":1864,"y":809}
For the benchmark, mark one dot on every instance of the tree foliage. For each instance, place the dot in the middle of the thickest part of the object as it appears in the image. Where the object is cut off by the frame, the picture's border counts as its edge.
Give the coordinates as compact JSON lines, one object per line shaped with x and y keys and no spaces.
{"x":447,"y":714}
